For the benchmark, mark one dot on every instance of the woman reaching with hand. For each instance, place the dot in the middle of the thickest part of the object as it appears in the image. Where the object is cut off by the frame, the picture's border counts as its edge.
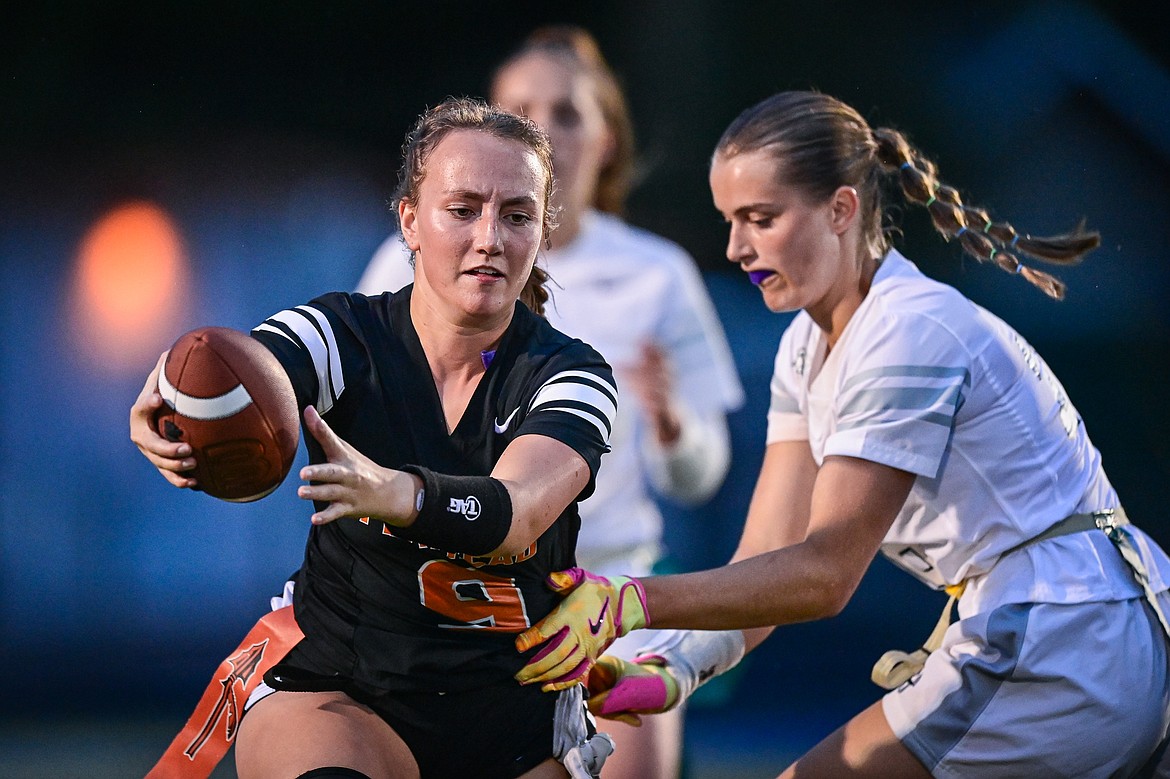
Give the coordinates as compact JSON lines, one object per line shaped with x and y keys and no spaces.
{"x":639,"y":300}
{"x":908,"y":420}
{"x":434,"y":525}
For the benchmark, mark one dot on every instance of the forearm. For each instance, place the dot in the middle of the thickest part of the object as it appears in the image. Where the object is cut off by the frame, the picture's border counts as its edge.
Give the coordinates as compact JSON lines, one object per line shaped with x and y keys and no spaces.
{"x":500,"y":515}
{"x":542,"y":477}
{"x":694,"y":466}
{"x":852,"y":506}
{"x":777,"y":588}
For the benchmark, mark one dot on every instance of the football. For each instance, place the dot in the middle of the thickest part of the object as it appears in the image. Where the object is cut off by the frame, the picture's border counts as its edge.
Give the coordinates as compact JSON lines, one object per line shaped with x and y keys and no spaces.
{"x":230,"y":399}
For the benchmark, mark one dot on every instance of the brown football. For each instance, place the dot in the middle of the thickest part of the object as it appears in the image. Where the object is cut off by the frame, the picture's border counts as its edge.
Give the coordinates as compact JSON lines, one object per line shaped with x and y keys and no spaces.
{"x":230,"y":399}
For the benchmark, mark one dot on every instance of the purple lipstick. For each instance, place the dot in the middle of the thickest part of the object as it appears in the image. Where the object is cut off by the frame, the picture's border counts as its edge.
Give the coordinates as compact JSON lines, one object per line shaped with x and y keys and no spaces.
{"x":757,"y":276}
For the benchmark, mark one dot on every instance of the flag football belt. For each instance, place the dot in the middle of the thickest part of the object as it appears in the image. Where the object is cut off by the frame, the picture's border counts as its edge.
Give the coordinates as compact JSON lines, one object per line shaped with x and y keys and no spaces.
{"x":212,"y":727}
{"x":895,"y":667}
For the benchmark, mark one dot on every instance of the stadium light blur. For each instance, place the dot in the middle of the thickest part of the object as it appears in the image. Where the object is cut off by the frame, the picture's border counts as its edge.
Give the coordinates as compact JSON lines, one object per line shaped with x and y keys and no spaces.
{"x":131,"y":266}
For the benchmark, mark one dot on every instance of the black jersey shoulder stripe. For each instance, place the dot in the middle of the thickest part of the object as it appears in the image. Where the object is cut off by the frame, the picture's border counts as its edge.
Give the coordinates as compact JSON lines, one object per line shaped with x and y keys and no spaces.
{"x":583,"y":410}
{"x":582,"y":394}
{"x":315,"y":335}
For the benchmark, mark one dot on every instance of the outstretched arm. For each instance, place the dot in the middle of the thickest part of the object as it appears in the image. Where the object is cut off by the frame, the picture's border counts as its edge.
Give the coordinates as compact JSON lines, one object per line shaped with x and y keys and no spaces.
{"x":678,"y":662}
{"x":543,"y":476}
{"x":784,"y":572}
{"x":539,"y":475}
{"x":786,"y":480}
{"x":854,"y":502}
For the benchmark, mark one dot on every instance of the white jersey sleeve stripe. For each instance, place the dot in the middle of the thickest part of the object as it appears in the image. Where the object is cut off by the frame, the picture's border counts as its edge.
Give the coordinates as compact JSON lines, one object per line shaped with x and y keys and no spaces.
{"x":930,"y":417}
{"x":905,"y":371}
{"x":910,"y":398}
{"x":583,"y":394}
{"x":336,"y":375}
{"x":564,"y":403}
{"x":564,"y":394}
{"x":588,"y":378}
{"x":314,"y":342}
{"x":270,"y":329}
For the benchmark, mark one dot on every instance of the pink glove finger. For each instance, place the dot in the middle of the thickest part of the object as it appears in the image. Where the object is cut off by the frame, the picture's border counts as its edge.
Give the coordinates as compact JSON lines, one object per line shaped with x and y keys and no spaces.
{"x":642,"y":693}
{"x":568,"y":579}
{"x":550,"y":645}
{"x":574,"y":676}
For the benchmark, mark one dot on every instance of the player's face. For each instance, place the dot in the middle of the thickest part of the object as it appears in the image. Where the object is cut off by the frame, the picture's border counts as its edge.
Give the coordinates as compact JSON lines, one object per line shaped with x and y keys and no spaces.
{"x":791,"y":248}
{"x":477,"y":225}
{"x":564,"y":104}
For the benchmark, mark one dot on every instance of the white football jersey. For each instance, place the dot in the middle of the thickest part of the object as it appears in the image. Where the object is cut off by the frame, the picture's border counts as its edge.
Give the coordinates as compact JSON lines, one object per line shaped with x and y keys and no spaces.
{"x":925,"y":380}
{"x":616,"y":287}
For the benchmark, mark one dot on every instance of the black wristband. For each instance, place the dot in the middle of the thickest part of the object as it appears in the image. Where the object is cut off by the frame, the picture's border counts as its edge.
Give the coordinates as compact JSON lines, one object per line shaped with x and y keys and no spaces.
{"x":468,"y":514}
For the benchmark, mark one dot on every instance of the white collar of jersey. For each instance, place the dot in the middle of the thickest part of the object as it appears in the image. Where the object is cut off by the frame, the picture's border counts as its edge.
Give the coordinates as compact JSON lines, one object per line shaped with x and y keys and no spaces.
{"x":893,"y":264}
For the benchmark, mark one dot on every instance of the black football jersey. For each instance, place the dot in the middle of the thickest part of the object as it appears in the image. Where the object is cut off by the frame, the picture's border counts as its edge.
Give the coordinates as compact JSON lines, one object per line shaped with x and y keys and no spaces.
{"x":388,"y":612}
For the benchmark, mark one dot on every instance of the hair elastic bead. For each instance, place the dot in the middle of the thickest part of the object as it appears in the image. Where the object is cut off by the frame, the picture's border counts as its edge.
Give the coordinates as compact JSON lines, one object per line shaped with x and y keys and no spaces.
{"x":991,"y":256}
{"x":962,"y":230}
{"x":928,"y":202}
{"x":906,"y":164}
{"x":1019,"y":267}
{"x":1015,"y":240}
{"x":987,"y":227}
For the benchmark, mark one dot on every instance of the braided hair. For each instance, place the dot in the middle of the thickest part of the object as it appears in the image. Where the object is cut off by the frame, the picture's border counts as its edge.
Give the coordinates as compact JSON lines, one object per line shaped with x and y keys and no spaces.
{"x":821,"y":143}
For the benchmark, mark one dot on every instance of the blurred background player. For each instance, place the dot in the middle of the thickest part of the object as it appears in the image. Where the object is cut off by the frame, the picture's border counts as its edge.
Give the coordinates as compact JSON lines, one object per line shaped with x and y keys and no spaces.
{"x":904,"y":419}
{"x":640,"y":301}
{"x":407,"y":606}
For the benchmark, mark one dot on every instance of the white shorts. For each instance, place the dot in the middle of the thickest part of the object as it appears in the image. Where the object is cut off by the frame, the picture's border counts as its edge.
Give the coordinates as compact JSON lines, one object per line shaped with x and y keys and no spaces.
{"x":1040,"y":690}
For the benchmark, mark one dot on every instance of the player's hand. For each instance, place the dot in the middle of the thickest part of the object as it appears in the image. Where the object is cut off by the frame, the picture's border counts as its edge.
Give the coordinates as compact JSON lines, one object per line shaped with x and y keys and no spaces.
{"x":622,"y":689}
{"x":352,"y":484}
{"x":594,"y":613}
{"x":652,"y":380}
{"x":173,"y":459}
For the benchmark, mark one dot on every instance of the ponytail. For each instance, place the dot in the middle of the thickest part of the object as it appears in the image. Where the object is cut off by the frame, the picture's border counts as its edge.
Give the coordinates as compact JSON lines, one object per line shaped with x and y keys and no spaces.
{"x":980,"y":236}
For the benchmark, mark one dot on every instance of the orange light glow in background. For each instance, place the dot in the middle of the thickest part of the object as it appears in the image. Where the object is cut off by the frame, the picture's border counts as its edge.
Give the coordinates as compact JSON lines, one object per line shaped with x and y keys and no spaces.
{"x":131,"y":268}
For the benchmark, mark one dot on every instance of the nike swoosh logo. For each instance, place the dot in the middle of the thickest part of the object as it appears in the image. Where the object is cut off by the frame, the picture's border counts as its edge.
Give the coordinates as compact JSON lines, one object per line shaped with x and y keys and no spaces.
{"x":596,"y":626}
{"x":503,"y":428}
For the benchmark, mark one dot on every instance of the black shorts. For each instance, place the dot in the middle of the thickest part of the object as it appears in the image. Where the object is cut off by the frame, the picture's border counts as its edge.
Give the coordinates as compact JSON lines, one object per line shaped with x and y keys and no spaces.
{"x":494,"y":732}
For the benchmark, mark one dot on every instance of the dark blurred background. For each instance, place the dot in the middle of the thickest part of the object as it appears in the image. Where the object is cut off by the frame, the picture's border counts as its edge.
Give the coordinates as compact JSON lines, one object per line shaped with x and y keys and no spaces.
{"x":166,"y":165}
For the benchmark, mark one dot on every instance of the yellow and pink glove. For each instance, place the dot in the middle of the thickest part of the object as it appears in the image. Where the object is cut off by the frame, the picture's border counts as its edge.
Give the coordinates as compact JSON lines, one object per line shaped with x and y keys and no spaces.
{"x":595,"y":612}
{"x":665,"y":673}
{"x":623,"y":690}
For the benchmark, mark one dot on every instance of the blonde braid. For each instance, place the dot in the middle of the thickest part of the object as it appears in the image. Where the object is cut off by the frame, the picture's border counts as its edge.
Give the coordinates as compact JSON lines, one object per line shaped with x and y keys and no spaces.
{"x":980,"y":237}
